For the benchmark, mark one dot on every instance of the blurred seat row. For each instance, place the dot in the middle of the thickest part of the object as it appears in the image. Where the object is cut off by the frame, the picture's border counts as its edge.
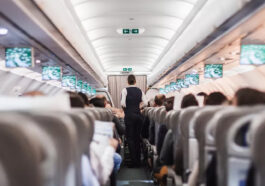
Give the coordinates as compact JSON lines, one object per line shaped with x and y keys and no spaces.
{"x":40,"y":148}
{"x":212,"y":145}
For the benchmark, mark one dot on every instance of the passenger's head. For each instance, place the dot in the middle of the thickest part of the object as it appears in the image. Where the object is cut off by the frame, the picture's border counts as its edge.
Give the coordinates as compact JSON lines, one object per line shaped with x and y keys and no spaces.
{"x":202,"y":94}
{"x":159,"y":100}
{"x":189,"y":100}
{"x":97,"y":102}
{"x":104,"y":99}
{"x":84,"y":97}
{"x":131,"y":80}
{"x":76,"y":100}
{"x":169,"y":104}
{"x":248,"y":96}
{"x":215,"y":98}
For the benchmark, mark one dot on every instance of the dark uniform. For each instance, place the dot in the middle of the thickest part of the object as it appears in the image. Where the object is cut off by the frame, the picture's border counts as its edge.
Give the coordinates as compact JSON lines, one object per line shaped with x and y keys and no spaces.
{"x":131,"y":99}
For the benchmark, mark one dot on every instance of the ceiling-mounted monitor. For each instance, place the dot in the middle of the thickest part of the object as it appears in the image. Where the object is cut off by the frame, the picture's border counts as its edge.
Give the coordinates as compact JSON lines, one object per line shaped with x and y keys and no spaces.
{"x":181,"y":83}
{"x":213,"y":71}
{"x":192,"y":79}
{"x":252,"y":55}
{"x":69,"y":81}
{"x":174,"y":86}
{"x":162,"y":91}
{"x":51,"y":73}
{"x":19,"y":57}
{"x":79,"y":85}
{"x":167,"y":88}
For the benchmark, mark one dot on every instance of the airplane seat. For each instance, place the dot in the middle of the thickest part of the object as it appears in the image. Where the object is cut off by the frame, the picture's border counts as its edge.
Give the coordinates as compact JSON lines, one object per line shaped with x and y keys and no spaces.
{"x":62,"y":131}
{"x":110,"y":115}
{"x":95,"y":112}
{"x":204,"y":116}
{"x":217,"y":133}
{"x":256,"y":140}
{"x":184,"y":122}
{"x":90,"y":124}
{"x":28,"y":156}
{"x":235,"y":151}
{"x":81,"y":123}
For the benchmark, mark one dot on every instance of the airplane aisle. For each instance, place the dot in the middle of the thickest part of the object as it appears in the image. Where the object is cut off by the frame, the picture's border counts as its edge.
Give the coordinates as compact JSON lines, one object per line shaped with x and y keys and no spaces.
{"x":134,"y":177}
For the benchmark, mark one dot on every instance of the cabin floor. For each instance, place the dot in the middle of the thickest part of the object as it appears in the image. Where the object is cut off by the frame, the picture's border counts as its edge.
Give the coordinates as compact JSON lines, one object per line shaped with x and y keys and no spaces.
{"x":134,"y":177}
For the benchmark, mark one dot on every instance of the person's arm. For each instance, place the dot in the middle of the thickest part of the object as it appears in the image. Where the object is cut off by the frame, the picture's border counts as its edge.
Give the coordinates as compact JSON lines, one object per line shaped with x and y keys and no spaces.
{"x":123,"y":97}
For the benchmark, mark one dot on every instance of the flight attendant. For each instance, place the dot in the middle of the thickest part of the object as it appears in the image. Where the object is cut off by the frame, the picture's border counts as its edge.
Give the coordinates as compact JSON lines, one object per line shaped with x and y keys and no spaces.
{"x":131,"y":99}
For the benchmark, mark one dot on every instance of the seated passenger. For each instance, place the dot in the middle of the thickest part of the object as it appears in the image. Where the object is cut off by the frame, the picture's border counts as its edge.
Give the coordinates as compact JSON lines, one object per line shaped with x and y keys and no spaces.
{"x":84,"y":98}
{"x":189,"y":100}
{"x":216,"y":98}
{"x":248,"y":97}
{"x":99,"y":102}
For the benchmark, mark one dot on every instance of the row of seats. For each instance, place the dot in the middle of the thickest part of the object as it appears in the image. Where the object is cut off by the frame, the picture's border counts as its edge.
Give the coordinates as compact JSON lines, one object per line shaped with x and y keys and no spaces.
{"x":220,"y":143}
{"x":44,"y":148}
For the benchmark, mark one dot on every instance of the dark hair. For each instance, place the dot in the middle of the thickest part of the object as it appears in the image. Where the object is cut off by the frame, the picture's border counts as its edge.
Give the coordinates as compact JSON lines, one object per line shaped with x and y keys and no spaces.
{"x":84,"y":97}
{"x":97,"y":102}
{"x":189,"y":100}
{"x":249,"y":96}
{"x":160,"y":99}
{"x":202,"y":94}
{"x":131,"y":80}
{"x":215,"y":98}
{"x":76,"y":100}
{"x":169,"y":104}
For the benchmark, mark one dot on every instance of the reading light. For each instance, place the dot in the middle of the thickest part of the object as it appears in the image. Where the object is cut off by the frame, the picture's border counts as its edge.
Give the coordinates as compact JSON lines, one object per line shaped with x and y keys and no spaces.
{"x":3,"y":31}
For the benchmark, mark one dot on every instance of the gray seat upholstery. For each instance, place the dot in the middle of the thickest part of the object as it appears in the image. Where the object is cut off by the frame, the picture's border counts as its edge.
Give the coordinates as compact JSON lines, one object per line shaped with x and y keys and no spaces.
{"x":203,"y":116}
{"x":224,"y":122}
{"x":27,"y":154}
{"x":62,"y":131}
{"x":257,"y":134}
{"x":184,"y":124}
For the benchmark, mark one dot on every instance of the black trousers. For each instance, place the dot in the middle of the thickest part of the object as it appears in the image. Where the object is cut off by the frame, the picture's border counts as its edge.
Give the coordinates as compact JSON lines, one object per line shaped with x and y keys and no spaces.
{"x":133,"y":123}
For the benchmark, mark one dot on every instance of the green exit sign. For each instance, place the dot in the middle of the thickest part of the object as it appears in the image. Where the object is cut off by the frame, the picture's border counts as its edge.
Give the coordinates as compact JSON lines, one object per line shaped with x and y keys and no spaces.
{"x":126,"y":31}
{"x":127,"y":69}
{"x":130,"y":31}
{"x":135,"y":31}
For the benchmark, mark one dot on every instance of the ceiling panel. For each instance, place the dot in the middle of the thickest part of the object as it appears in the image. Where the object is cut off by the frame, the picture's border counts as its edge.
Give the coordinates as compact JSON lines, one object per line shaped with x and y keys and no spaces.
{"x":158,"y":20}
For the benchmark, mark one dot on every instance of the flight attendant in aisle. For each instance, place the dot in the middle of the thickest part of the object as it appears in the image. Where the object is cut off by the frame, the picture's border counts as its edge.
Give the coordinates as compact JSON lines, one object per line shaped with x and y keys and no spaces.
{"x":131,"y":99}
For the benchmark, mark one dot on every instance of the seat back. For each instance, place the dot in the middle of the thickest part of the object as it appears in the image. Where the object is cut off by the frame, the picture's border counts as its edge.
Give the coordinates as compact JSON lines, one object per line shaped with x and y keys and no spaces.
{"x":184,"y":122}
{"x":219,"y":132}
{"x":257,"y":136}
{"x":62,"y":131}
{"x":27,"y":153}
{"x":201,"y":120}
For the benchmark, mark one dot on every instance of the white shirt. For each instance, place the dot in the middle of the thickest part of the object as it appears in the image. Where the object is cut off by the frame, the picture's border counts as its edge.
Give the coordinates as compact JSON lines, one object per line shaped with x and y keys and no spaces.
{"x":124,"y":95}
{"x":101,"y":159}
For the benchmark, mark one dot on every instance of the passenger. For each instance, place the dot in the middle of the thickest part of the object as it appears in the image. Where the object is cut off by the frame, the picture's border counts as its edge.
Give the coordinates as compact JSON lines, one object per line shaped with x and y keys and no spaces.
{"x":248,"y":96}
{"x":76,"y":100}
{"x":216,"y":98}
{"x":100,"y":102}
{"x":202,"y":94}
{"x":131,"y":99}
{"x":189,"y":100}
{"x":84,"y":97}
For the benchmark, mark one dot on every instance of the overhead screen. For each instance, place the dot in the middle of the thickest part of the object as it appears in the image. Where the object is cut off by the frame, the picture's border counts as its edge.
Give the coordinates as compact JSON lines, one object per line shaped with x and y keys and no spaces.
{"x":19,"y":57}
{"x":79,"y":85}
{"x":181,"y":83}
{"x":174,"y":86}
{"x":51,"y":73}
{"x":192,"y":79}
{"x":252,"y":55}
{"x":213,"y":71}
{"x":69,"y":81}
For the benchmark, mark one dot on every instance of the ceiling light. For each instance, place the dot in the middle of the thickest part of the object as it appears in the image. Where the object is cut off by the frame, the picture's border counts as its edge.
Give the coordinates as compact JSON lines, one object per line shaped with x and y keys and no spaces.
{"x":3,"y":31}
{"x":38,"y":61}
{"x":222,"y":58}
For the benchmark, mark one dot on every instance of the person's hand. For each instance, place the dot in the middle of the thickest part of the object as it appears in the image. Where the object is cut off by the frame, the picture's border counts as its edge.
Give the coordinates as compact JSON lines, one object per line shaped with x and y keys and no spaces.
{"x":114,"y":143}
